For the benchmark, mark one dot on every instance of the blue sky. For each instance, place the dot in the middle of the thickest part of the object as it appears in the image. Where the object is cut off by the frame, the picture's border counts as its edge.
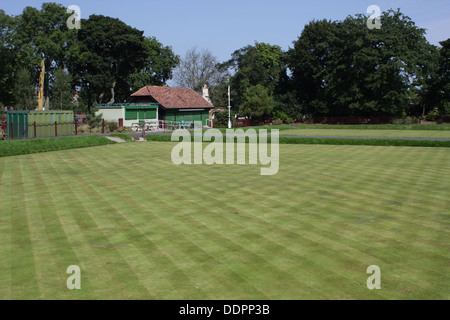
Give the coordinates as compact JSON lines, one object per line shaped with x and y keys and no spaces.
{"x":225,"y":26}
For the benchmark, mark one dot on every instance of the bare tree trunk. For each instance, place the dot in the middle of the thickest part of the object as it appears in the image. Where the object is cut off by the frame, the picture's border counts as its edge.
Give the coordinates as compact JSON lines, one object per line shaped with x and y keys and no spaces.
{"x":100,"y":97}
{"x":47,"y":103}
{"x":113,"y":93}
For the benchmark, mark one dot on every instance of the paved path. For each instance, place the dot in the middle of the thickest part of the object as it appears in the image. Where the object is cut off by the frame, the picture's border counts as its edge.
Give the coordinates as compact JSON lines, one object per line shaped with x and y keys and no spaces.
{"x":115,"y":139}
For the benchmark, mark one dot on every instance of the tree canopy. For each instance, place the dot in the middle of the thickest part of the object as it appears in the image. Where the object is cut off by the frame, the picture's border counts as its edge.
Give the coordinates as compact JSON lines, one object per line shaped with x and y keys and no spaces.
{"x":105,"y":60}
{"x":260,"y":64}
{"x":158,"y":67}
{"x":109,"y":52}
{"x":346,"y":69}
{"x":257,"y":102}
{"x":334,"y":68}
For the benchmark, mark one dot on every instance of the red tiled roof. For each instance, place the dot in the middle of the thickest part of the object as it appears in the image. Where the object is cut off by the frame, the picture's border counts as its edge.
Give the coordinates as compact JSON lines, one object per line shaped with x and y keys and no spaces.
{"x":174,"y":98}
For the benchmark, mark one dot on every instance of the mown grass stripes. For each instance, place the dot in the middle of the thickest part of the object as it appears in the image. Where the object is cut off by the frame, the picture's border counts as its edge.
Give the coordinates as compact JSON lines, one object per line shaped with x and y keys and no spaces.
{"x":25,"y":284}
{"x":142,"y":228}
{"x":6,"y":230}
{"x":181,"y":278}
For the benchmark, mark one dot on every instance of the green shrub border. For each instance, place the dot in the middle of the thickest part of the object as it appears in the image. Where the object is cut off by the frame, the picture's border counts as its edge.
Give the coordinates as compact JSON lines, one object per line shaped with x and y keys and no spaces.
{"x":378,"y":127}
{"x":338,"y":141}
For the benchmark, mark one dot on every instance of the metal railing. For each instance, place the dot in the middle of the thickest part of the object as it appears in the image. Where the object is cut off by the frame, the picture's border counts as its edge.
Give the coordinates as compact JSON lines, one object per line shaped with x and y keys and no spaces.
{"x":162,"y":125}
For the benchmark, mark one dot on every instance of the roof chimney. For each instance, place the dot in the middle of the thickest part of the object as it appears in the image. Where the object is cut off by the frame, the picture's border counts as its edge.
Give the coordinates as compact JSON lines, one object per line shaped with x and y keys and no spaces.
{"x":205,"y":94}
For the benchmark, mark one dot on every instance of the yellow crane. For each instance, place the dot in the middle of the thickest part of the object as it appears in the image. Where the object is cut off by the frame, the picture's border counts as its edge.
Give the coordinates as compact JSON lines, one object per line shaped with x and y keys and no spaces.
{"x":41,"y":86}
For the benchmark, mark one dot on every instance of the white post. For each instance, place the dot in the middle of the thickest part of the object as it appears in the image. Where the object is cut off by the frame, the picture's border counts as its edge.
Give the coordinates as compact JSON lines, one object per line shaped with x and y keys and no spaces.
{"x":229,"y":108}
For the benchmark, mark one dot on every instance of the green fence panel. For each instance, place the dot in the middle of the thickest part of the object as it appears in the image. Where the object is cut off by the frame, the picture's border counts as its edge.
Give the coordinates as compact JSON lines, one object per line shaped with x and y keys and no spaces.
{"x":17,"y":124}
{"x":45,"y":123}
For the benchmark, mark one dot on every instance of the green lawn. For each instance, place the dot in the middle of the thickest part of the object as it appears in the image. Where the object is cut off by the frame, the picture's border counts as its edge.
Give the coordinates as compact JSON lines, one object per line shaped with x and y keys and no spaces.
{"x":19,"y":147}
{"x":434,"y":134}
{"x":142,"y":228}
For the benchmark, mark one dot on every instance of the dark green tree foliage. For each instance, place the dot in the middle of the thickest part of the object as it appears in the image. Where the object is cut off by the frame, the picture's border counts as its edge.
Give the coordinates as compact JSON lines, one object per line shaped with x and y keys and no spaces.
{"x":109,"y":52}
{"x":159,"y":64}
{"x":106,"y":58}
{"x":444,"y":78}
{"x":62,"y":92}
{"x":309,"y":61}
{"x":7,"y":59}
{"x":335,"y":68}
{"x":346,"y":69}
{"x":221,"y":119}
{"x":436,"y":93}
{"x":257,"y":103}
{"x":25,"y":97}
{"x":262,"y":64}
{"x":43,"y":34}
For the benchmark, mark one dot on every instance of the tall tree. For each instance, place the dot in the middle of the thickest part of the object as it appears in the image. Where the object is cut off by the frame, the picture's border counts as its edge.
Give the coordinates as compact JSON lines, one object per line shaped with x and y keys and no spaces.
{"x":25,"y":97}
{"x":7,"y":57}
{"x":159,"y":65}
{"x":444,"y":78}
{"x":308,"y":61}
{"x":262,"y":64}
{"x":62,"y":91}
{"x":43,"y":34}
{"x":345,"y":69}
{"x":436,"y":91}
{"x":257,"y":102}
{"x":109,"y":51}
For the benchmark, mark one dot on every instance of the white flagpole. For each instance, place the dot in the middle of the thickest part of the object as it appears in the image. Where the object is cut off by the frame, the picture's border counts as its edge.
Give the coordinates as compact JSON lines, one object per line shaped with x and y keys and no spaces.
{"x":229,"y":108}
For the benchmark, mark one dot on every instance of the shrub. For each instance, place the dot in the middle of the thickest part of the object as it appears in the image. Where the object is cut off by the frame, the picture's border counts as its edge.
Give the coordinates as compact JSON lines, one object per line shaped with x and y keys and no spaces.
{"x":282,"y":116}
{"x":3,"y":123}
{"x":83,"y":129}
{"x":406,"y":120}
{"x":433,"y":115}
{"x":124,"y":130}
{"x":94,"y":120}
{"x":277,"y":122}
{"x":112,"y":126}
{"x":221,"y":119}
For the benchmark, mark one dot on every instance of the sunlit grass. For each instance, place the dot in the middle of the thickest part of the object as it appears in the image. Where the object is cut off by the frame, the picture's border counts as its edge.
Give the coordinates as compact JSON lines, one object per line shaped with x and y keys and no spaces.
{"x":140,"y":227}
